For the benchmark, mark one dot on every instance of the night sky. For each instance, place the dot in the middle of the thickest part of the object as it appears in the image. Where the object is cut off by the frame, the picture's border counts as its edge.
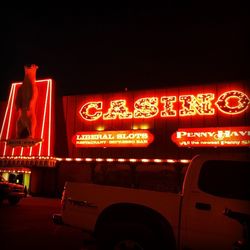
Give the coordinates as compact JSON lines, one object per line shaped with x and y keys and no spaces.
{"x":94,"y":50}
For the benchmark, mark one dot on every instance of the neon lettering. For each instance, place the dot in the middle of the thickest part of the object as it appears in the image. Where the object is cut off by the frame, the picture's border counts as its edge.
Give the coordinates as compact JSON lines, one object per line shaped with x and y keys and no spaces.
{"x":219,"y":135}
{"x":86,"y":113}
{"x":146,"y":107}
{"x":233,"y":102}
{"x":168,"y":106}
{"x":118,"y":109}
{"x":123,"y":138}
{"x":200,"y":105}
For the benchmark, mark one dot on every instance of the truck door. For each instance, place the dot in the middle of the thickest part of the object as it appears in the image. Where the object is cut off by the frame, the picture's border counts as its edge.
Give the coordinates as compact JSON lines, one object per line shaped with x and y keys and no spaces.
{"x":221,"y":184}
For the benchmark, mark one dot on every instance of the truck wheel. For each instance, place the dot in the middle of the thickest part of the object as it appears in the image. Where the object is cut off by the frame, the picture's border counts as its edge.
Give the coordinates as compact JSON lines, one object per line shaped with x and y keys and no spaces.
{"x":127,"y":236}
{"x":13,"y":200}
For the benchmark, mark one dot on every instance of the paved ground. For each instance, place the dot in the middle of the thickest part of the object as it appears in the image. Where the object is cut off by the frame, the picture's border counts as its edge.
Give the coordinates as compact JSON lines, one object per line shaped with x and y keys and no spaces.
{"x":28,"y":225}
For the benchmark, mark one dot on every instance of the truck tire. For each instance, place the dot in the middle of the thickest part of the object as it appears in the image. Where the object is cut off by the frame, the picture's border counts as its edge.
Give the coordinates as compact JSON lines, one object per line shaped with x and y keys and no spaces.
{"x":127,"y":236}
{"x":13,"y":200}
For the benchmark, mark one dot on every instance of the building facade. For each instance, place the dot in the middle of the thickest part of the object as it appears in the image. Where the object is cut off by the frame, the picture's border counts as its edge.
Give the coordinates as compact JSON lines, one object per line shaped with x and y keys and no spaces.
{"x":77,"y":134}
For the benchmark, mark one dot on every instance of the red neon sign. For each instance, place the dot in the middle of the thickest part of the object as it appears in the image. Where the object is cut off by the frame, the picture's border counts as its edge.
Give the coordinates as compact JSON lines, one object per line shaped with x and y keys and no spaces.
{"x":231,"y":102}
{"x":43,"y":129}
{"x":212,"y":137}
{"x":123,"y":138}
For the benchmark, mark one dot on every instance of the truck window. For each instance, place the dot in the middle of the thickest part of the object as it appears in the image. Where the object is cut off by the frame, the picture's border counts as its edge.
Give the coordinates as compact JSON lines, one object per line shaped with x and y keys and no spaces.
{"x":228,"y":179}
{"x":155,"y":177}
{"x":113,"y":175}
{"x":161,"y":178}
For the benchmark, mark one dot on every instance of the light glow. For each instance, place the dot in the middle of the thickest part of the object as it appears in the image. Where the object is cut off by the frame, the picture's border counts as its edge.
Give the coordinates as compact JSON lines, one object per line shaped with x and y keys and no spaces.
{"x":121,"y":160}
{"x":78,"y":159}
{"x":171,"y":160}
{"x":233,"y":102}
{"x":118,"y":109}
{"x":184,"y":161}
{"x":50,"y":116}
{"x":68,"y":159}
{"x":15,"y":171}
{"x":146,"y":107}
{"x":109,"y":160}
{"x":43,"y":129}
{"x":44,"y":115}
{"x":202,"y":104}
{"x":10,"y":115}
{"x":212,"y":137}
{"x":88,"y":159}
{"x":123,"y":138}
{"x":86,"y":111}
{"x":168,"y":106}
{"x":99,"y":159}
{"x":6,"y":112}
{"x":133,"y":160}
{"x":157,"y":160}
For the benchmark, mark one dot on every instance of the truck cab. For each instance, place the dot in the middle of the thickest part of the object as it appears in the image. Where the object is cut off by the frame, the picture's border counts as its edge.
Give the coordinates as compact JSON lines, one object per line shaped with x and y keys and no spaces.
{"x":151,"y":218}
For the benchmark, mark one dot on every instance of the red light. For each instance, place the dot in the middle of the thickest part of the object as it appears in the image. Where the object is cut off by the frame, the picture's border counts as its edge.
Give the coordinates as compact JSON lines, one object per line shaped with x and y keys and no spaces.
{"x":212,"y":137}
{"x":233,"y":102}
{"x":44,"y":119}
{"x":202,"y":104}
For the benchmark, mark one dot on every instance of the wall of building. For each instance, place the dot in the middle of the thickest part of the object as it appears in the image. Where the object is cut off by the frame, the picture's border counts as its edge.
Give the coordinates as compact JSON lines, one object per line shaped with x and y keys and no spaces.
{"x":43,"y":181}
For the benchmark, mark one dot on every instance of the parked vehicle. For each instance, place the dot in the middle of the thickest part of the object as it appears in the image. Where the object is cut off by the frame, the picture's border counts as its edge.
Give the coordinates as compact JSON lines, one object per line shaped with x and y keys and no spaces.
{"x":148,"y":216}
{"x":11,"y":191}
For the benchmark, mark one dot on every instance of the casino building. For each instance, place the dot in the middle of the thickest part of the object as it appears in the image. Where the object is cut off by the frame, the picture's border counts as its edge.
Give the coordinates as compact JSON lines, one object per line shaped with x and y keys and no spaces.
{"x":76,"y":134}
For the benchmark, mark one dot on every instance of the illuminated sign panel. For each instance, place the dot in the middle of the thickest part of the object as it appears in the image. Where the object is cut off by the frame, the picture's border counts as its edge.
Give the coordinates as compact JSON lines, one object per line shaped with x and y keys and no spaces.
{"x":212,"y":137}
{"x":231,"y":102}
{"x":9,"y":146}
{"x":126,"y":138}
{"x":160,"y":111}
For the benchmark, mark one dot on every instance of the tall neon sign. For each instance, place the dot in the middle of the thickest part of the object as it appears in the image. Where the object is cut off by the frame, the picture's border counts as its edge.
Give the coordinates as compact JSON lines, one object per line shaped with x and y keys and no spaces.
{"x":44,"y":123}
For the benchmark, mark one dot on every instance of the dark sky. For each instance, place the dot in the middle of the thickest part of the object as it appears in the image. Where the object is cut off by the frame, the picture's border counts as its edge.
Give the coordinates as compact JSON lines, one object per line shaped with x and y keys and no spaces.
{"x":93,"y":50}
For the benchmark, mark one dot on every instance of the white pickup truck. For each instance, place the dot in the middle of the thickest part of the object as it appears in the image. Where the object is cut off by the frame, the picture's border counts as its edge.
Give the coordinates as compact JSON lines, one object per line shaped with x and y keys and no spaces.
{"x":142,"y":213}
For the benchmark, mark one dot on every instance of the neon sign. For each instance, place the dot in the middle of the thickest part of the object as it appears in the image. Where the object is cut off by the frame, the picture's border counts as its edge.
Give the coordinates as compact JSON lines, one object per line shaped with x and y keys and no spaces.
{"x":231,"y":102}
{"x":123,"y":138}
{"x":23,"y":147}
{"x":212,"y":137}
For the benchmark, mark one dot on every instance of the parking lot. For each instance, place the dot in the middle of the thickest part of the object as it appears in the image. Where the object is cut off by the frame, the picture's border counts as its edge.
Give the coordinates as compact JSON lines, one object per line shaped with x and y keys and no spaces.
{"x":28,"y":225}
